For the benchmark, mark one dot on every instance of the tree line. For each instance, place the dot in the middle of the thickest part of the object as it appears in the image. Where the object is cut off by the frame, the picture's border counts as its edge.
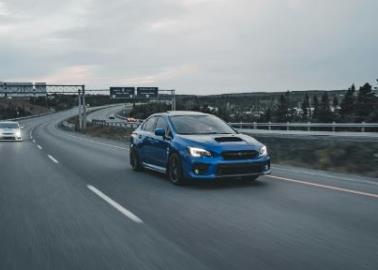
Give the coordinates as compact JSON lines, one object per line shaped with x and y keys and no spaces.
{"x":336,"y":106}
{"x":356,"y":106}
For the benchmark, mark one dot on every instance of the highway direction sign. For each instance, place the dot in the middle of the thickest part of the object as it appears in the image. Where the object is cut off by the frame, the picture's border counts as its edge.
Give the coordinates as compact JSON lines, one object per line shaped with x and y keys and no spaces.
{"x":147,"y":91}
{"x":122,"y":92}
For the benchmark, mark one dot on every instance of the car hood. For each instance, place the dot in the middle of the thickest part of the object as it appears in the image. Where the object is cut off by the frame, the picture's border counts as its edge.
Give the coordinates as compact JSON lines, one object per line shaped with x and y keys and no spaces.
{"x":222,"y":142}
{"x":8,"y":130}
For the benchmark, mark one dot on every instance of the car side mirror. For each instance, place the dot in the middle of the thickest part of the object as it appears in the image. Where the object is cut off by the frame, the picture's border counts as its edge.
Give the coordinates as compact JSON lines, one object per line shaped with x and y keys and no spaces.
{"x":22,"y":127}
{"x":160,"y":132}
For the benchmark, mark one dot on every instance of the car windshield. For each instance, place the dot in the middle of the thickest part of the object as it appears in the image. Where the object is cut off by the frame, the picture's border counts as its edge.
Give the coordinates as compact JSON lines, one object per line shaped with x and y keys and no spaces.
{"x":200,"y":124}
{"x":8,"y":125}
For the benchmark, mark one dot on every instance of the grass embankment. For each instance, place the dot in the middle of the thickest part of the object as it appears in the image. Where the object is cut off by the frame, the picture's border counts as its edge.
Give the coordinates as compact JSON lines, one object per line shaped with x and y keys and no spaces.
{"x":325,"y":153}
{"x":114,"y":133}
{"x":19,"y":107}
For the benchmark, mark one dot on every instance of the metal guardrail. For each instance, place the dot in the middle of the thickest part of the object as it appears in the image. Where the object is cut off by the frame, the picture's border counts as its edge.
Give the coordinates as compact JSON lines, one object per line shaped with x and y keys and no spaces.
{"x":268,"y":126}
{"x":104,"y":123}
{"x":307,"y":126}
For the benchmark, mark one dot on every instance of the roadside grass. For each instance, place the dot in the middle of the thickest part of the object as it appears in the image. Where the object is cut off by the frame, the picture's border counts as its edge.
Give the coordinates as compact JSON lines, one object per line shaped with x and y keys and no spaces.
{"x":325,"y":153}
{"x":113,"y":133}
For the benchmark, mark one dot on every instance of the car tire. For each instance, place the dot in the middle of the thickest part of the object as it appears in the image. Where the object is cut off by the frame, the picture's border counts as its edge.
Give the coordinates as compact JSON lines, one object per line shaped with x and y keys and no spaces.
{"x":175,"y":172}
{"x":135,"y":160}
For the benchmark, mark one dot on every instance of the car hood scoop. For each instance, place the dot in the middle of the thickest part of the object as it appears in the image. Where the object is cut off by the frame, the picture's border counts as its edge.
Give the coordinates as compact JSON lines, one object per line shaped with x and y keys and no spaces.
{"x":228,"y":139}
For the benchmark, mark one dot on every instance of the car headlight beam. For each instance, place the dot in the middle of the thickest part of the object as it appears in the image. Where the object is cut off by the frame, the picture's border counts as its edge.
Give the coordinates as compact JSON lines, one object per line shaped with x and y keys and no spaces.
{"x":199,"y":152}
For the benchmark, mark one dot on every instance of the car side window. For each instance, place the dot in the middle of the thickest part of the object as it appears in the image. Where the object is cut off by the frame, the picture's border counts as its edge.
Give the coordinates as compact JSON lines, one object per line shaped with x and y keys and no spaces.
{"x":169,"y":133}
{"x":161,"y":123}
{"x":149,"y":125}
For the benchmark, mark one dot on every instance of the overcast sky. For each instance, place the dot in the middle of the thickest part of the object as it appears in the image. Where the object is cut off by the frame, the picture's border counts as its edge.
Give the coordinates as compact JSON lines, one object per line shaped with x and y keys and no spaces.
{"x":194,"y":46}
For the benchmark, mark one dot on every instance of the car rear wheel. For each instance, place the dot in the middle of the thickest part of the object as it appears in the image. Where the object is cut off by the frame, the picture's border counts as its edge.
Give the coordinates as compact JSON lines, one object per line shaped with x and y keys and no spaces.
{"x":175,"y":173}
{"x":135,"y":160}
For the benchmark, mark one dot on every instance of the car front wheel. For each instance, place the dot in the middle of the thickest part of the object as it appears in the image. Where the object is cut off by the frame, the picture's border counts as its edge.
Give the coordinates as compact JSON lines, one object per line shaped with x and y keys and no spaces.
{"x":175,"y":173}
{"x":135,"y":162}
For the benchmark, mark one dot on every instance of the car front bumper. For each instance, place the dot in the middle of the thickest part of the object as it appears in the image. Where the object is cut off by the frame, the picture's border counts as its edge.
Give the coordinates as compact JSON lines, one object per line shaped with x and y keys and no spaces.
{"x":10,"y":137}
{"x":209,"y":168}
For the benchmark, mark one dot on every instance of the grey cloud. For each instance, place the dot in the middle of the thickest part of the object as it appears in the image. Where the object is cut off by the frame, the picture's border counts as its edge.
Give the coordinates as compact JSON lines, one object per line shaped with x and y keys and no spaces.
{"x":200,"y":46}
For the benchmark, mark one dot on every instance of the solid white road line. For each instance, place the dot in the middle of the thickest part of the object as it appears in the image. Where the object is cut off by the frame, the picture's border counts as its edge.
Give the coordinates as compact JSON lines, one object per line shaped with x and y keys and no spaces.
{"x":328,"y":175}
{"x":39,"y":147}
{"x":116,"y":205}
{"x":53,"y":159}
{"x":372,"y":195}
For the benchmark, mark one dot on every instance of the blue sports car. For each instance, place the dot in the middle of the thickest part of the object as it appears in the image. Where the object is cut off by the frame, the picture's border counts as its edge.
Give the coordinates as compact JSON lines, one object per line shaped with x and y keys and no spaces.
{"x":193,"y":145}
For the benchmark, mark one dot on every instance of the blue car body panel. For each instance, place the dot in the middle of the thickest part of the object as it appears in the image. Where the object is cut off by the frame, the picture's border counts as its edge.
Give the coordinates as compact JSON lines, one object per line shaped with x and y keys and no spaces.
{"x":154,"y":152}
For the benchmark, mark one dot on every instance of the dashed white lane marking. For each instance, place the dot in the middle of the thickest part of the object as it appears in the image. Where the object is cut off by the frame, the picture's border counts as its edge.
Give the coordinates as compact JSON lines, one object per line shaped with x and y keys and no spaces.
{"x":116,"y":205}
{"x":39,"y":147}
{"x":372,"y":195}
{"x":33,"y":141}
{"x":53,"y":159}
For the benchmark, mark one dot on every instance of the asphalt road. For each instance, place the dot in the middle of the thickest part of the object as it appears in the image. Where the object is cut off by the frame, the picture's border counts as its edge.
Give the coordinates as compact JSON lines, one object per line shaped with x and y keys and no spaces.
{"x":104,"y":114}
{"x":72,"y":202}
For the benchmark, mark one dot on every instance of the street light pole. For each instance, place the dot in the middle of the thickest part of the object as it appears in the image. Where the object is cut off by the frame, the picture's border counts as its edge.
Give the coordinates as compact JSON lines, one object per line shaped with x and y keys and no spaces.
{"x":79,"y":109}
{"x":84,"y":118}
{"x":173,"y":100}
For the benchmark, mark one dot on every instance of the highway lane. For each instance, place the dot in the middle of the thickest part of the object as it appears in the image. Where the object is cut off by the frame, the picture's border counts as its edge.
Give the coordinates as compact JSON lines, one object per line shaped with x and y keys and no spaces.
{"x":104,"y":114}
{"x":52,"y":220}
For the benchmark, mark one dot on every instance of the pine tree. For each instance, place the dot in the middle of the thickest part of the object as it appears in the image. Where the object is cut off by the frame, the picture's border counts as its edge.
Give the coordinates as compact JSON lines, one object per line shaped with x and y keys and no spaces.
{"x":315,"y":102}
{"x":325,"y":114}
{"x":267,"y":116}
{"x":335,"y":102}
{"x":305,"y":107}
{"x":282,"y":112}
{"x":366,"y":102}
{"x":348,"y":105}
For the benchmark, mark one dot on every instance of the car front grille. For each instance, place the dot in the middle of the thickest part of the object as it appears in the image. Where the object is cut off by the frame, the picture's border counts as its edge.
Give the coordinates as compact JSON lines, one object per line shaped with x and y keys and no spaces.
{"x":7,"y":137}
{"x":239,"y":155}
{"x":239,"y":169}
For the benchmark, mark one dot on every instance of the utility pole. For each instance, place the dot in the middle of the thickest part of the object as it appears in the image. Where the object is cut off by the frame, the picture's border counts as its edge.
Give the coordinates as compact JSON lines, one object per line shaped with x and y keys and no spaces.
{"x":84,"y":117}
{"x":79,"y":109}
{"x":173,"y":100}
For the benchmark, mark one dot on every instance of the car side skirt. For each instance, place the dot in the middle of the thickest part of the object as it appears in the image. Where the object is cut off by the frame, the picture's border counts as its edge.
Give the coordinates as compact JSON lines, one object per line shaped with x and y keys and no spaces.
{"x":154,"y":167}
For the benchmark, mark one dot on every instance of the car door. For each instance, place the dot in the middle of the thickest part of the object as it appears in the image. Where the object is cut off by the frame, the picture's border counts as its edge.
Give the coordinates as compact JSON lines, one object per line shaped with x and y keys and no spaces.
{"x":145,"y":135}
{"x":160,"y":145}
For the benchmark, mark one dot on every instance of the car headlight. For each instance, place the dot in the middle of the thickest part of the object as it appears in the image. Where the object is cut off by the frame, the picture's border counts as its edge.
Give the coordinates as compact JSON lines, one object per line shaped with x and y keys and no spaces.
{"x":199,"y":152}
{"x":263,"y":151}
{"x":18,"y":133}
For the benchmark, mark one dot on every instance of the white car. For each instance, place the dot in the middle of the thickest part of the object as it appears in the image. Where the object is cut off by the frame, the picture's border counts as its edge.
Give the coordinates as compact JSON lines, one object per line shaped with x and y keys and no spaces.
{"x":10,"y":130}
